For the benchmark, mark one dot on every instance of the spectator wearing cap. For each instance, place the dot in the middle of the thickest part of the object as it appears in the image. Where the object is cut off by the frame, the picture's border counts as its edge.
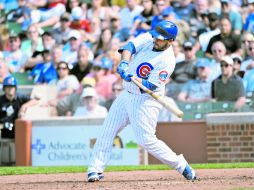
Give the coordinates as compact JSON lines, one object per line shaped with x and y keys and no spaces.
{"x":102,"y":73}
{"x":237,"y":64}
{"x":218,"y":51}
{"x":199,"y":89}
{"x":212,"y":30}
{"x":231,"y":41}
{"x":234,"y":16}
{"x":78,"y":22}
{"x":248,"y":24}
{"x":44,"y":72}
{"x":249,"y":63}
{"x":15,"y":59}
{"x":83,"y":66}
{"x":61,"y":33}
{"x":90,"y":107}
{"x":68,"y":105}
{"x":228,"y":86}
{"x":186,"y":70}
{"x":70,"y":50}
{"x":183,"y":26}
{"x":66,"y":83}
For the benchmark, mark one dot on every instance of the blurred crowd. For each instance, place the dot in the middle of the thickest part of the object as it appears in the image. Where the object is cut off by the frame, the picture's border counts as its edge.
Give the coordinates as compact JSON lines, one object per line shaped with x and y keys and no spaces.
{"x":73,"y":44}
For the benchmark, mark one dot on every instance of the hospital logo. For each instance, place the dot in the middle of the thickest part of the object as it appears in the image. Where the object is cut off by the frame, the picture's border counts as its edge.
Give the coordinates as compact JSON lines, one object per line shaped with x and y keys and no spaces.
{"x":38,"y":146}
{"x":163,"y":75}
{"x":143,"y":70}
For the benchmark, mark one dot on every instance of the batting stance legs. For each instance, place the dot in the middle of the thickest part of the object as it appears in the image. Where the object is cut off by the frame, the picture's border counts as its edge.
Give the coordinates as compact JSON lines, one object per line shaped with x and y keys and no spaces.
{"x":141,"y":111}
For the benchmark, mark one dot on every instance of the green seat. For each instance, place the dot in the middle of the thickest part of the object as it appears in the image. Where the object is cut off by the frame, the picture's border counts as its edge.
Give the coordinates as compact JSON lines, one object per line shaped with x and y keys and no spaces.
{"x":22,"y":78}
{"x":14,"y":27}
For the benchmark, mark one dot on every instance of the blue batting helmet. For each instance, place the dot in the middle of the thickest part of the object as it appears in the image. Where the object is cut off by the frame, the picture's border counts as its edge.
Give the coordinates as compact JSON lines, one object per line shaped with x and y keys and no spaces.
{"x":10,"y":81}
{"x":165,"y":30}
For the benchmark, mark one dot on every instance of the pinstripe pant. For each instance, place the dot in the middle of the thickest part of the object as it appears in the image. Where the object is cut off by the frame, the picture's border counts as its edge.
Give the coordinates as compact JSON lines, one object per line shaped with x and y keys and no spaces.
{"x":141,"y":111}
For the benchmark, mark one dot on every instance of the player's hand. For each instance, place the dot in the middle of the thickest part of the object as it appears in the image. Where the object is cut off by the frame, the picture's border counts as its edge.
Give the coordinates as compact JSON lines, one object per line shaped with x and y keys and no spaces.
{"x":122,"y":67}
{"x":126,"y":76}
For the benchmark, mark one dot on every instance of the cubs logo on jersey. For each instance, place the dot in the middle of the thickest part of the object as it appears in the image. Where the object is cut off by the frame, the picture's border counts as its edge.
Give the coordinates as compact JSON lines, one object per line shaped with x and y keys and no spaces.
{"x":144,"y":70}
{"x":163,"y":75}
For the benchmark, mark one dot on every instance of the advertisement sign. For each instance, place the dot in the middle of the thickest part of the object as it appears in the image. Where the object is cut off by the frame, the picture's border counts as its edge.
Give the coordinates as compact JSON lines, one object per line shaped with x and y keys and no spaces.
{"x":72,"y":145}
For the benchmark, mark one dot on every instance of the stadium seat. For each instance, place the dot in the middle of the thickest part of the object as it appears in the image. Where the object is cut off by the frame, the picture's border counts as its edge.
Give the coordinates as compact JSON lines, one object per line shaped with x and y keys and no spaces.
{"x":22,"y":78}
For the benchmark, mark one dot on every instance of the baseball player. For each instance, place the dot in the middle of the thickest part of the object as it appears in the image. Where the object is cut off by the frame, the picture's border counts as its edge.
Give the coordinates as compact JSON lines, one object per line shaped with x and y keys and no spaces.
{"x":150,"y":58}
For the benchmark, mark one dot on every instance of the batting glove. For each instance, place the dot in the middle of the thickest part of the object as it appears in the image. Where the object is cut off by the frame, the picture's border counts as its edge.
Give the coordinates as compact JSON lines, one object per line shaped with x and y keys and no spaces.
{"x":126,"y":76}
{"x":122,"y":67}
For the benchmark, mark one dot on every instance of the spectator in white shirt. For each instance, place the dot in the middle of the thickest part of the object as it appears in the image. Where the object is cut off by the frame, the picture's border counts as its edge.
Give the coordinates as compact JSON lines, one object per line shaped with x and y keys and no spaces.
{"x":90,"y":107}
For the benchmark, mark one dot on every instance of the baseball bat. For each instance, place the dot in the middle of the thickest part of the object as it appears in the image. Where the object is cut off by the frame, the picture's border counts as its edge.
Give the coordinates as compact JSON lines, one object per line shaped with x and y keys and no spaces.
{"x":175,"y":110}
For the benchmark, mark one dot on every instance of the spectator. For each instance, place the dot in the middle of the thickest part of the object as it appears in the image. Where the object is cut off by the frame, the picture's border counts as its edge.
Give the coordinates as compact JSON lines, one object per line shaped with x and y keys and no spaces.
{"x":66,"y":83}
{"x":15,"y":59}
{"x":184,"y":29}
{"x":44,"y":72}
{"x":103,"y":43}
{"x":83,"y":66}
{"x":249,"y":63}
{"x":102,"y":73}
{"x":186,"y":70}
{"x":117,"y":88}
{"x":218,"y":51}
{"x":70,"y":54}
{"x":78,"y":20}
{"x":246,"y":39}
{"x":184,"y":10}
{"x":160,"y":6}
{"x":237,"y":65}
{"x":178,"y":51}
{"x":47,"y":40}
{"x":231,"y":41}
{"x":100,"y":10}
{"x":234,"y":16}
{"x":122,"y":34}
{"x":62,"y":32}
{"x":199,"y":89}
{"x":213,"y":29}
{"x":32,"y":46}
{"x":142,"y":22}
{"x":56,"y":54}
{"x":248,"y":79}
{"x":68,"y":105}
{"x":90,"y":108}
{"x":229,"y":86}
{"x":248,"y":24}
{"x":198,"y":16}
{"x":129,"y":12}
{"x":3,"y":68}
{"x":12,"y":106}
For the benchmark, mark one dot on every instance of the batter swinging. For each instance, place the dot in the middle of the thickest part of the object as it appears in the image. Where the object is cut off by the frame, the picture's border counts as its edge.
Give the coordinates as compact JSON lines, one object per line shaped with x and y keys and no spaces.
{"x":150,"y":58}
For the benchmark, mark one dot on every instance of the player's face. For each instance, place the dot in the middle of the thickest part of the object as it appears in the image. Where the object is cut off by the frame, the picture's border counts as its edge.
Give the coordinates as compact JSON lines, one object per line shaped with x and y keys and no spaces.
{"x":161,"y":45}
{"x":10,"y":92}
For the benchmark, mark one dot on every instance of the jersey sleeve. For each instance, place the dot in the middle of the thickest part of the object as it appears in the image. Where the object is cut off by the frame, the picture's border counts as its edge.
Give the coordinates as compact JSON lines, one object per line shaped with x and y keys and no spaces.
{"x":141,"y":40}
